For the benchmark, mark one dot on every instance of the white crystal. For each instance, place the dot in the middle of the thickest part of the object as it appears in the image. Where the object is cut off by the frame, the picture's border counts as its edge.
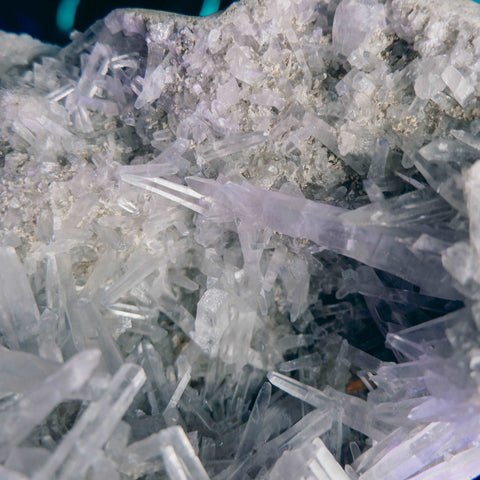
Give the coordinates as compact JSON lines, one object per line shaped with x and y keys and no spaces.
{"x":461,"y":88}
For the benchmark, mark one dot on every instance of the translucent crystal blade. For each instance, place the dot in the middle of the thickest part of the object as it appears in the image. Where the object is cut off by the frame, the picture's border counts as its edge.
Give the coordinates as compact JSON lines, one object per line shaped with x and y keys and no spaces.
{"x":92,"y":430}
{"x":19,"y":314}
{"x":37,"y":404}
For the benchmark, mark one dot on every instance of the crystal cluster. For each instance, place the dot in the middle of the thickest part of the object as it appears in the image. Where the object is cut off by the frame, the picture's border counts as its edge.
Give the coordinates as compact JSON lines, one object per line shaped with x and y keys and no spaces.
{"x":244,"y":246}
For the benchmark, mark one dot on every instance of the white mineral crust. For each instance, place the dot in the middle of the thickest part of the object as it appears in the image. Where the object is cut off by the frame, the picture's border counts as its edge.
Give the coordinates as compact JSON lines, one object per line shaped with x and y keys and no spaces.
{"x":243,"y":246}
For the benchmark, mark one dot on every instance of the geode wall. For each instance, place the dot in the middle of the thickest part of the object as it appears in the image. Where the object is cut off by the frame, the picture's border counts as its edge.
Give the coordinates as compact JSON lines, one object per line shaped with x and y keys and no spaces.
{"x":243,"y":246}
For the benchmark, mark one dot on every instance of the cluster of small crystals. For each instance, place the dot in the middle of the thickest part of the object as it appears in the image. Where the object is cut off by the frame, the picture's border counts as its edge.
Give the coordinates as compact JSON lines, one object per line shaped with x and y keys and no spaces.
{"x":246,"y":246}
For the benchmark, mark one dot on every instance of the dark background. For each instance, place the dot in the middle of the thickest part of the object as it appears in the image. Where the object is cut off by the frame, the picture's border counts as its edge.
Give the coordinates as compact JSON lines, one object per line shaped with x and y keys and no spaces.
{"x":38,"y":18}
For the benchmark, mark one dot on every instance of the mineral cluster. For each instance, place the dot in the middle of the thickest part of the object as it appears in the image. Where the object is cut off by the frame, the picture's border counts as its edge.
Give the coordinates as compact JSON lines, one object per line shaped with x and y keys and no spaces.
{"x":243,"y":247}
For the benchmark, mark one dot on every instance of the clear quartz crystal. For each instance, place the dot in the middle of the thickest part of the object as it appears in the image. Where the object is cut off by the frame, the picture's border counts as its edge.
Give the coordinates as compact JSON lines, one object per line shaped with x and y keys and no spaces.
{"x":179,"y":455}
{"x":243,"y":246}
{"x":19,"y":314}
{"x":37,"y":404}
{"x":94,"y":427}
{"x":312,"y":460}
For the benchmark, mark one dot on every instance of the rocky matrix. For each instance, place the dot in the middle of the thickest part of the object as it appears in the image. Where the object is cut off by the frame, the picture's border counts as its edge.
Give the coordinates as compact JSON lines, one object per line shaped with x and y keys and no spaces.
{"x":245,"y":246}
